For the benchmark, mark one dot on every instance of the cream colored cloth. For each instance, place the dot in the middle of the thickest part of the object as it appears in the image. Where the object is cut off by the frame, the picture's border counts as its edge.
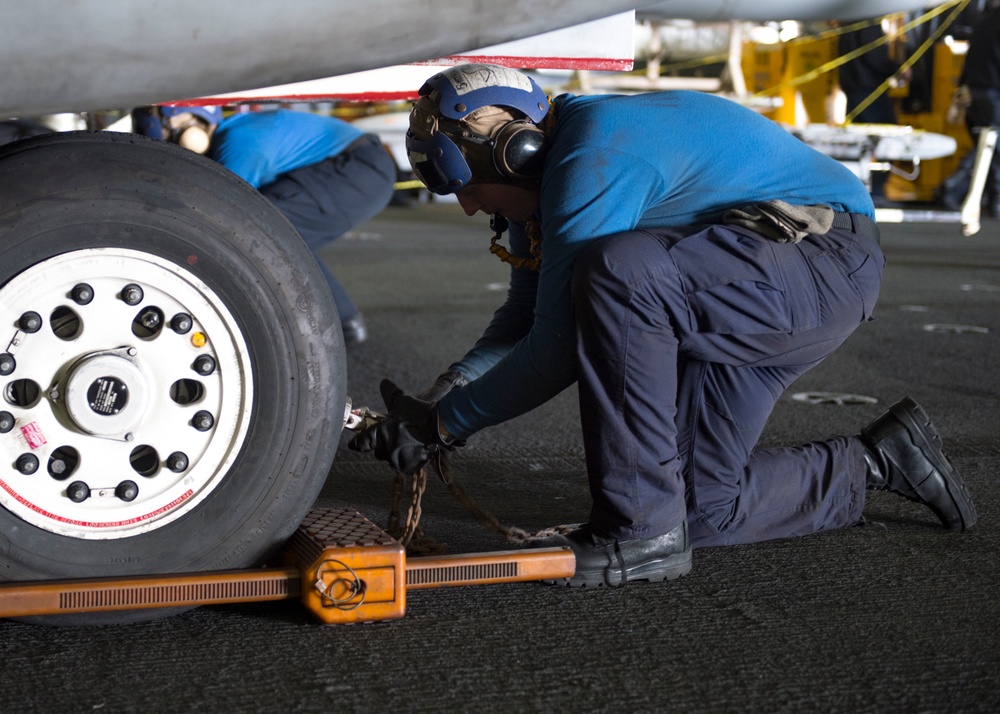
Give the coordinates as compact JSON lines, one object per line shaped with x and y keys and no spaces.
{"x":781,"y":221}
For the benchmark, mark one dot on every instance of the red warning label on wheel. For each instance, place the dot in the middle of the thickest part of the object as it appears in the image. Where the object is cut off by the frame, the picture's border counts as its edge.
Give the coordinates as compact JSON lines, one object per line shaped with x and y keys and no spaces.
{"x":33,"y":435}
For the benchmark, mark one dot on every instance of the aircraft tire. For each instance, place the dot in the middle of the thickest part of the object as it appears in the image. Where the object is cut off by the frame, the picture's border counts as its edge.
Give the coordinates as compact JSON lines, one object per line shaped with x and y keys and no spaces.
{"x":114,"y":211}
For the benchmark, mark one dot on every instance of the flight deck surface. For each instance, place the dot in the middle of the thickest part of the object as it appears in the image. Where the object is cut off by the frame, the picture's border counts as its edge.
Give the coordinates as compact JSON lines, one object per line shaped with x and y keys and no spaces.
{"x":895,"y":615}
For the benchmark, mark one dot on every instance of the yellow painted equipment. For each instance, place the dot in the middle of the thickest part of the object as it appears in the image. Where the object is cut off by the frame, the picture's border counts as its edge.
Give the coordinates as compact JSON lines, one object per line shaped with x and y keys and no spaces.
{"x":949,"y":58}
{"x":342,"y":567}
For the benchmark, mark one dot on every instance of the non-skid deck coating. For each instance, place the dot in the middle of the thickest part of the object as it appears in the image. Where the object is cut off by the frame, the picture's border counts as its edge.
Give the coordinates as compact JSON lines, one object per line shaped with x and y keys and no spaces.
{"x":897,"y":615}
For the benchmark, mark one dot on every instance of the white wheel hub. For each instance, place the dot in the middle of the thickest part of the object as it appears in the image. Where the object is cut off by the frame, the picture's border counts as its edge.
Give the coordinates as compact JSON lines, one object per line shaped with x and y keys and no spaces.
{"x":126,"y":403}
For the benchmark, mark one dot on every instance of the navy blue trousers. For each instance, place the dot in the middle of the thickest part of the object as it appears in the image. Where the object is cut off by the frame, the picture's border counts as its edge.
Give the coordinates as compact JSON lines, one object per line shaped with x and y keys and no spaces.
{"x":325,"y":200}
{"x":686,"y":339}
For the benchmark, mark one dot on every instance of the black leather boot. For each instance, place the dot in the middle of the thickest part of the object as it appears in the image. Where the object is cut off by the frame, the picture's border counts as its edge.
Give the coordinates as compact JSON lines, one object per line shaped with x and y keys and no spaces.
{"x":903,"y":455}
{"x":607,"y":561}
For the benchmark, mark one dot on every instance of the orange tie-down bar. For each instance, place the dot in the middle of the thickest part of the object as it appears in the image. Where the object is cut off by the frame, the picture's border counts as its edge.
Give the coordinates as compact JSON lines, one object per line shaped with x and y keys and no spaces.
{"x":343,"y":568}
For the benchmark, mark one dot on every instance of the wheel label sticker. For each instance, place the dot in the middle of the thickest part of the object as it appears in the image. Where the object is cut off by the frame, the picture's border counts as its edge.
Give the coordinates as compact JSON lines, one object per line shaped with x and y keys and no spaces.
{"x":33,"y":435}
{"x":107,"y":395}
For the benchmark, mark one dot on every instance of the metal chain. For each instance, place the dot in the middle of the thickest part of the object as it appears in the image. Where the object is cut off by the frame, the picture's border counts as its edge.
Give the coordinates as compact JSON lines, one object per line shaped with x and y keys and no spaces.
{"x":412,"y":537}
{"x":407,"y":531}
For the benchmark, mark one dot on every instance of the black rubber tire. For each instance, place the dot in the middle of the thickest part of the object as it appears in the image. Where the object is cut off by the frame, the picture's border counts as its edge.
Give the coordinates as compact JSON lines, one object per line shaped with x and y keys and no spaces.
{"x":86,"y":190}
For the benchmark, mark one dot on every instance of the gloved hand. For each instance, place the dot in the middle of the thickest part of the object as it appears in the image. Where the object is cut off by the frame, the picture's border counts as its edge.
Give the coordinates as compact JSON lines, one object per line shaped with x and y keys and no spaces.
{"x":445,"y":382}
{"x":408,"y":436}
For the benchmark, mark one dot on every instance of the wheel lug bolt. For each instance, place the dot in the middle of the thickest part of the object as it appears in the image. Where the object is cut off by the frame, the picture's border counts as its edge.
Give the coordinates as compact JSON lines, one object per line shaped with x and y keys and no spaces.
{"x":127,"y":490}
{"x":78,"y":492}
{"x":7,"y":364}
{"x":177,"y":462}
{"x":6,"y":422}
{"x":150,"y":319}
{"x":203,"y":420}
{"x":82,"y":294}
{"x":30,"y":322}
{"x":204,"y":365}
{"x":181,"y":323}
{"x":57,"y":467}
{"x":26,"y":464}
{"x":132,"y":294}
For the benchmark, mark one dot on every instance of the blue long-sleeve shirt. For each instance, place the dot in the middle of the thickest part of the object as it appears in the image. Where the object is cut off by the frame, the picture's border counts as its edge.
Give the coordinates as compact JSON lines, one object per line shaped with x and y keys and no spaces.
{"x":260,"y":146}
{"x":617,"y":164}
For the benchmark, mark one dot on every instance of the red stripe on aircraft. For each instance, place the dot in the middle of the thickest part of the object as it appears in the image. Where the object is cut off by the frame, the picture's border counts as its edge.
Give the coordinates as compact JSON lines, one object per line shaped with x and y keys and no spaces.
{"x":600,"y":64}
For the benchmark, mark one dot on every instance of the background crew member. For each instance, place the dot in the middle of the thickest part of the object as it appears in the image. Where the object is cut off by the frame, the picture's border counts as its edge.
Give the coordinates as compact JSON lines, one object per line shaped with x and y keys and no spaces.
{"x":324,"y":174}
{"x":979,"y":94}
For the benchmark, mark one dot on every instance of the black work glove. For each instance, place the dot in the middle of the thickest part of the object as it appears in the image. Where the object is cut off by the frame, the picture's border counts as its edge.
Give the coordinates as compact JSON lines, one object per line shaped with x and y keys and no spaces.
{"x":408,"y":436}
{"x":445,"y":382}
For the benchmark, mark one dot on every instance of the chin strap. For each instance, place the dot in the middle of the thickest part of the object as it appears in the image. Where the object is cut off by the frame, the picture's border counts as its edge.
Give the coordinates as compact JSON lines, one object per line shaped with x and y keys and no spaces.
{"x":499,"y":225}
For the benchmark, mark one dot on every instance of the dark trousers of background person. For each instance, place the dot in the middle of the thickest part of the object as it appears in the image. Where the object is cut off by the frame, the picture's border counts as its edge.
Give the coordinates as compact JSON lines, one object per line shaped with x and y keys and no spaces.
{"x":984,"y":111}
{"x":687,"y":338}
{"x":325,"y":200}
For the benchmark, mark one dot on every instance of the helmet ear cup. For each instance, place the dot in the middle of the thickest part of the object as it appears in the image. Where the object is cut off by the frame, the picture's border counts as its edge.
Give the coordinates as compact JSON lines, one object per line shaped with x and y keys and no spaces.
{"x":519,"y":150}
